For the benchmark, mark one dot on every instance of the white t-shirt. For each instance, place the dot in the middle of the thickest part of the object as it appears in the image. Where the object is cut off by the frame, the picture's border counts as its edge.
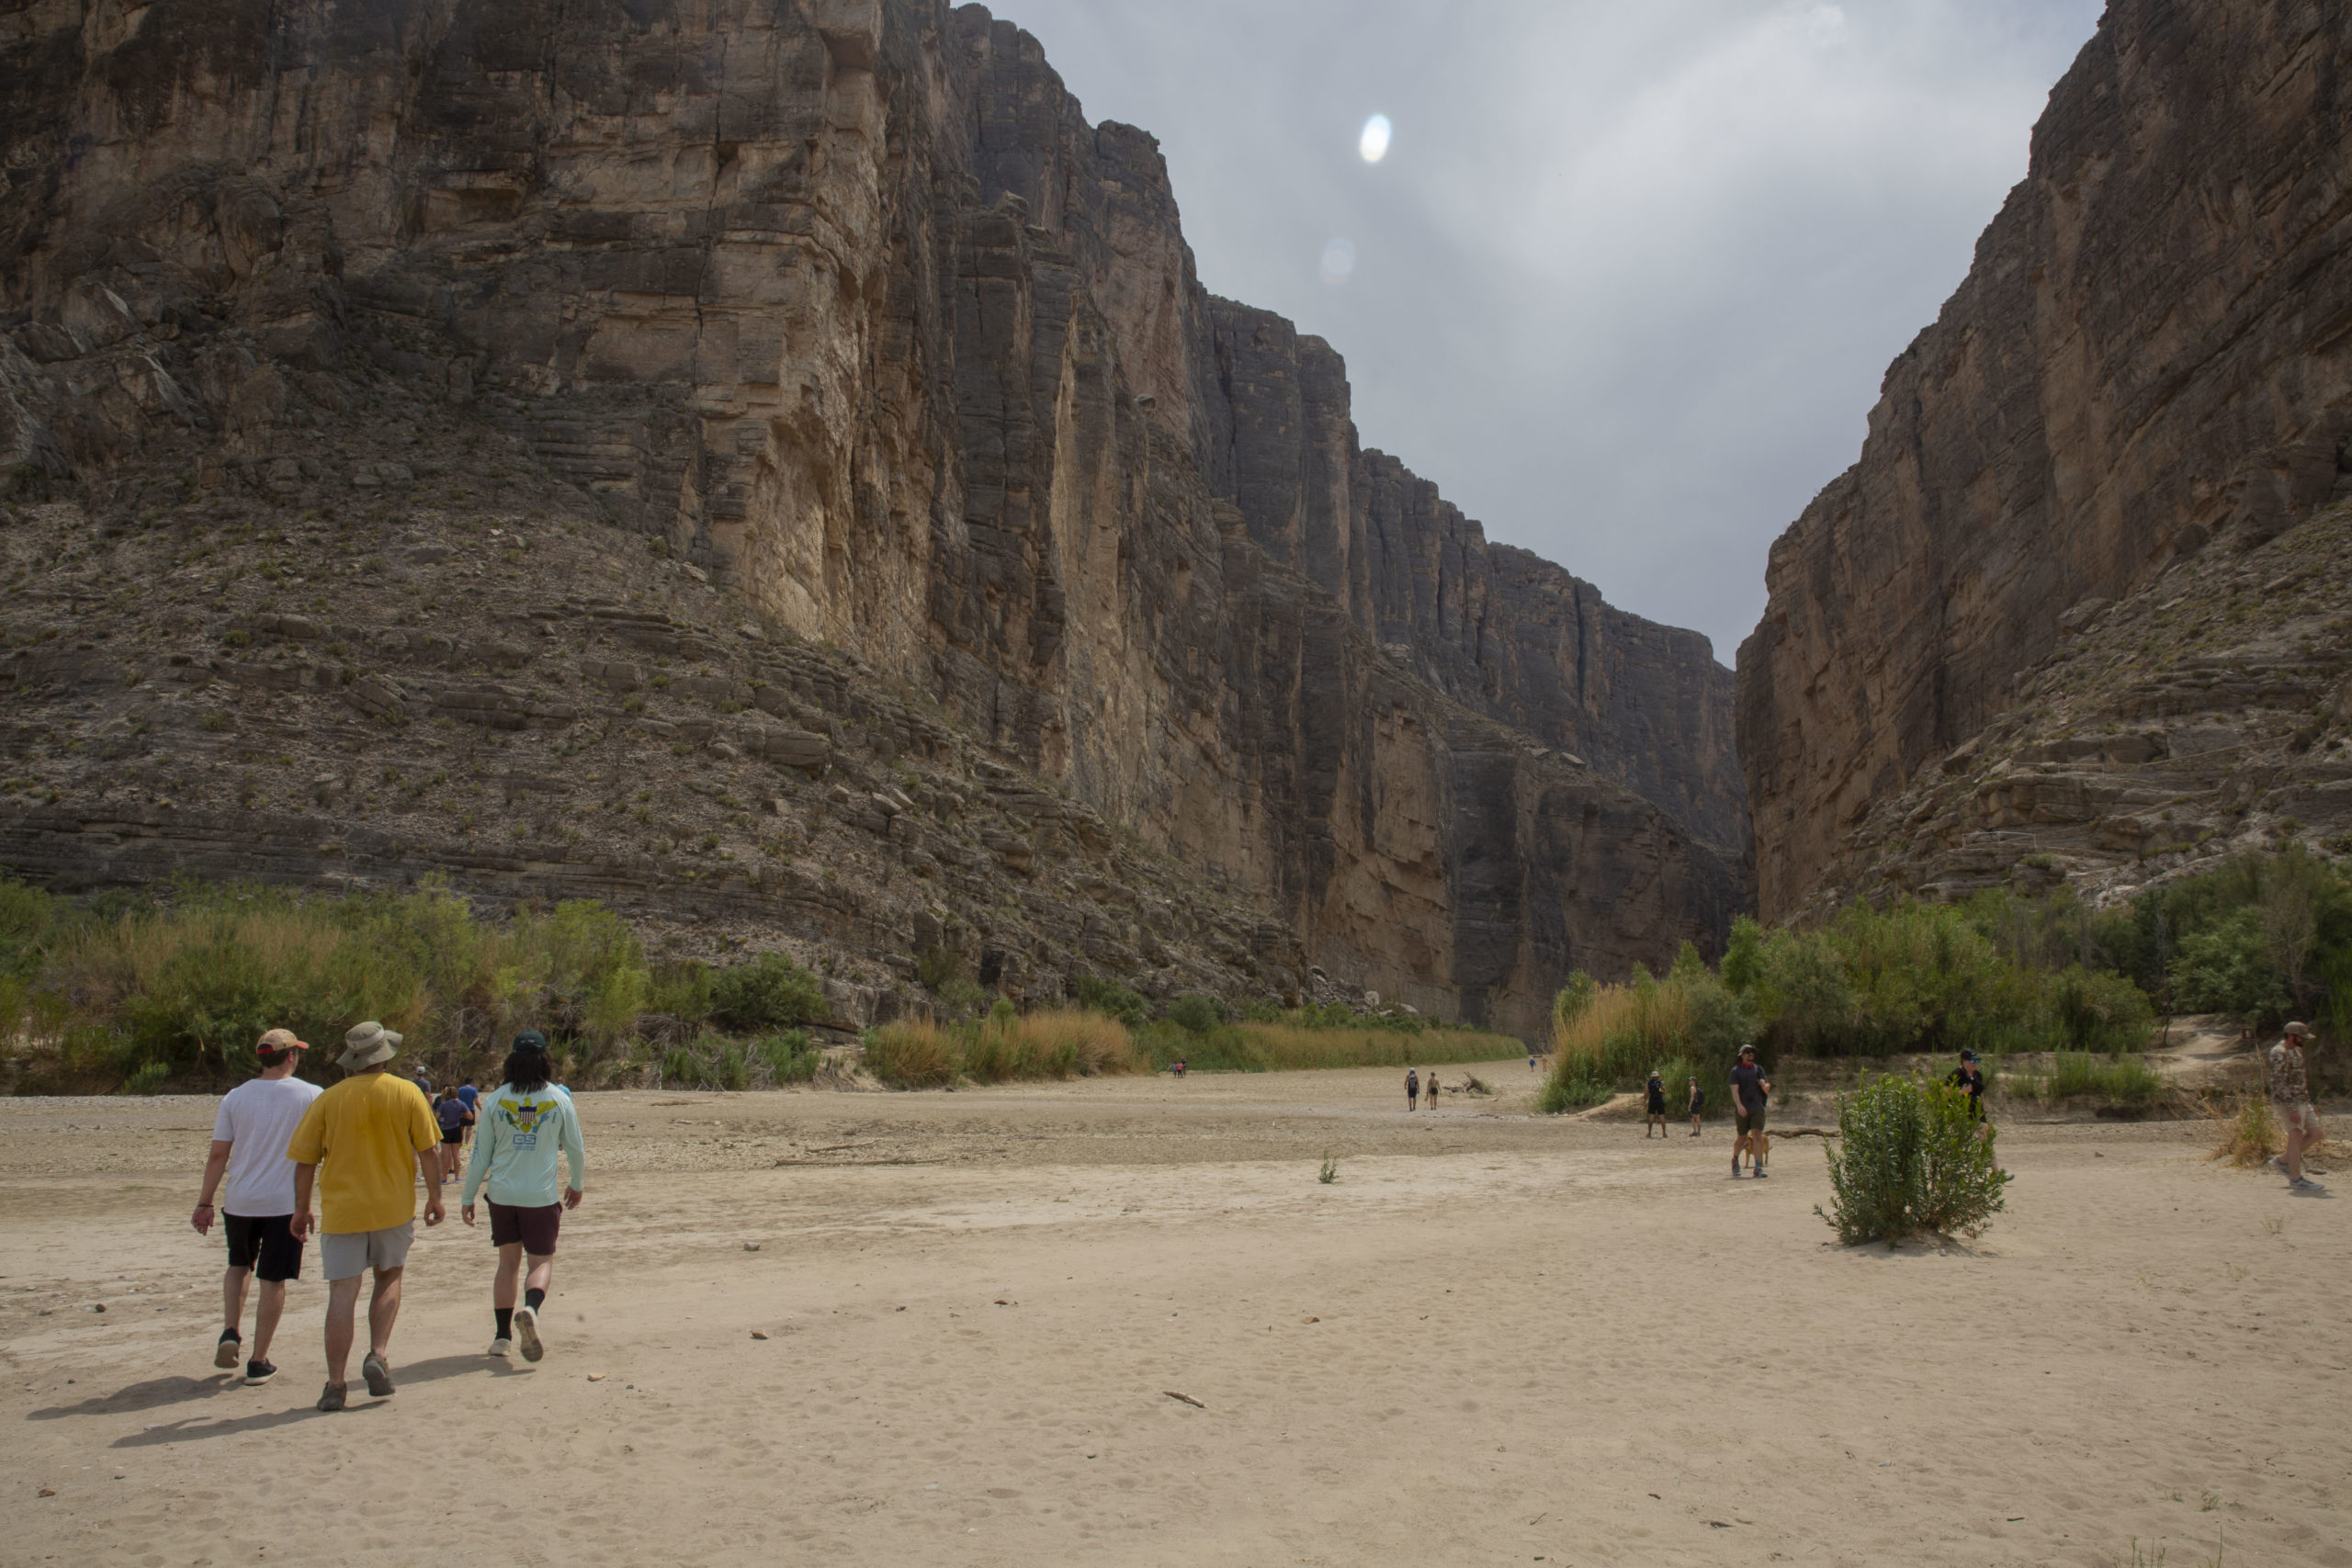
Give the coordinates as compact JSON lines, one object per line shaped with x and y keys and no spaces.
{"x":257,"y":1119}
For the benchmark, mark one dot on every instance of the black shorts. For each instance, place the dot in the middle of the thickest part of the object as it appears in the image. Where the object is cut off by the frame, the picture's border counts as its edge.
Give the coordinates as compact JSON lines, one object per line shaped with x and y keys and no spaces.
{"x":533,"y":1228}
{"x":264,"y":1244}
{"x":453,"y":1134}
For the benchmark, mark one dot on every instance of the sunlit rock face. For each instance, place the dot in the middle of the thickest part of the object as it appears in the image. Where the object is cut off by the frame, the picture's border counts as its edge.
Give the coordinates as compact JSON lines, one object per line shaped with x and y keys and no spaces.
{"x":2148,"y":360}
{"x":847,"y":300}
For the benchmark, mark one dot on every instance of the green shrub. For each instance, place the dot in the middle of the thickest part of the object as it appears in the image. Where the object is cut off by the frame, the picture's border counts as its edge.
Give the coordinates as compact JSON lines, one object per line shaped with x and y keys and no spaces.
{"x":1110,"y":998}
{"x":1571,"y":1091}
{"x":1910,"y":1157}
{"x":769,"y":992}
{"x":1196,"y":1013}
{"x":148,"y":1078}
{"x":790,"y":1057}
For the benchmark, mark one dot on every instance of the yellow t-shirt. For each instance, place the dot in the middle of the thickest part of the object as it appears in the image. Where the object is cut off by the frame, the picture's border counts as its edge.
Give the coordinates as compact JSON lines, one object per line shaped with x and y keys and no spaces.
{"x":364,"y":1135}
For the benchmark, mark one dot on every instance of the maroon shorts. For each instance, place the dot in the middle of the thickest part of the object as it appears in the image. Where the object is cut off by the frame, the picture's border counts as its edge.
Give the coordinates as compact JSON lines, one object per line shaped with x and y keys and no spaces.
{"x":535,"y":1228}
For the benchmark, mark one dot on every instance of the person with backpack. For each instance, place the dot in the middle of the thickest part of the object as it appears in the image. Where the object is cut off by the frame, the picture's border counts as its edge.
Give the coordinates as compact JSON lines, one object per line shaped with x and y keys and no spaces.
{"x":525,"y":1120}
{"x":452,"y":1112}
{"x":1654,"y":1118}
{"x":1412,"y":1090}
{"x":1698,"y":1106}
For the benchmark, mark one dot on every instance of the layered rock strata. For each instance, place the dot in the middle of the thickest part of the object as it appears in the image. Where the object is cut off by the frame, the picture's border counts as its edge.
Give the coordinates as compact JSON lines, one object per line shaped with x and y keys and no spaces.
{"x":2150,"y":363}
{"x":846,"y":304}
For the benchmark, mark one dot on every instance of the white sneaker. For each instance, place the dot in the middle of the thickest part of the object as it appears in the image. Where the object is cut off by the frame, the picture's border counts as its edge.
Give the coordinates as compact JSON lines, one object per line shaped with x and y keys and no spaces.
{"x":527,"y":1330}
{"x":501,"y":1346}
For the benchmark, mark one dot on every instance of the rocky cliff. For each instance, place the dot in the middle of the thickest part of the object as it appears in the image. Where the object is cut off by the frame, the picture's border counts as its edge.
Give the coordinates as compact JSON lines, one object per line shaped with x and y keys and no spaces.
{"x":2149,"y":363}
{"x":844,"y":303}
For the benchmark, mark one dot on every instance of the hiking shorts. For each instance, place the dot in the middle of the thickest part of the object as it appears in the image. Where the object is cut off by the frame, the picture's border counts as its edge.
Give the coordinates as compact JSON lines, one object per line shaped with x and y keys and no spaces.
{"x":2300,"y":1117}
{"x":264,"y":1244}
{"x":531,"y":1227}
{"x":353,"y":1253}
{"x":1750,"y":1122}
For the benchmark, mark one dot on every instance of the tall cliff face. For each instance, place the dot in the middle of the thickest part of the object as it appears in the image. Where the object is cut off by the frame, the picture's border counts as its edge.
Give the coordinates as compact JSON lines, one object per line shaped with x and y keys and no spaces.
{"x":2151,"y":357}
{"x":847,"y":302}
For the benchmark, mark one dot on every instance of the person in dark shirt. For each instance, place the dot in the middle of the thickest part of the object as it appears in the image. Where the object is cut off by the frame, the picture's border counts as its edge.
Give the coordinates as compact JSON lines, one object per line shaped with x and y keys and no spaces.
{"x":1412,"y":1090}
{"x":1750,"y":1090}
{"x":1656,"y":1119}
{"x":1698,"y":1106}
{"x":1968,"y":1076}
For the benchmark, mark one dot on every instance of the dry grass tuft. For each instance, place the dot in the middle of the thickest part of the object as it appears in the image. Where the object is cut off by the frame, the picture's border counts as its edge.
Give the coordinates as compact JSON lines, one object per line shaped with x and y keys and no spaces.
{"x":2248,"y":1136}
{"x":913,"y":1055}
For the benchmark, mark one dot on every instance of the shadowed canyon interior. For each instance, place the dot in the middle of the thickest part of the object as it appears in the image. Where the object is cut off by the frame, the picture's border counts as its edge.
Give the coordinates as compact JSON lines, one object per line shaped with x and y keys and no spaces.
{"x":846,"y":306}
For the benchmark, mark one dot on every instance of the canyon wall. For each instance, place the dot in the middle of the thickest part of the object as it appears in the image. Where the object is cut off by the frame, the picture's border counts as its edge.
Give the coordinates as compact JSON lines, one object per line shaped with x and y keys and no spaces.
{"x":847,"y":304}
{"x":2151,"y":357}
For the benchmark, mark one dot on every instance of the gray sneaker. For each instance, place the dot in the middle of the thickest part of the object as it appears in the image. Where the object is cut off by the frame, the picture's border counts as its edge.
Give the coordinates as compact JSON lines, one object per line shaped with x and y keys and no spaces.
{"x":379,"y":1376}
{"x":331,"y":1396}
{"x":501,"y":1346}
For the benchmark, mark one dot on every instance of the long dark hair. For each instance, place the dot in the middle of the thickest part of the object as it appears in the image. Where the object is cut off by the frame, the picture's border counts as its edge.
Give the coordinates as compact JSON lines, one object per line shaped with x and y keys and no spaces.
{"x":528,"y":1068}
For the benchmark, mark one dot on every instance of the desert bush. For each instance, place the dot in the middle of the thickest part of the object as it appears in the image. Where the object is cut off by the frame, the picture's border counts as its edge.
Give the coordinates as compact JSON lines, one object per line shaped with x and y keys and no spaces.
{"x":1570,"y":1090}
{"x":1910,"y":1157}
{"x":911,"y":1055}
{"x":768,"y":992}
{"x":790,"y":1057}
{"x":2248,"y":1136}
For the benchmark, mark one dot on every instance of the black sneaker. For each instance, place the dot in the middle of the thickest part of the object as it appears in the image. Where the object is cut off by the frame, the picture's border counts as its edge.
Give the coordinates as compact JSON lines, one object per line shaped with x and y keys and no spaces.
{"x":259,"y":1372}
{"x":224,"y":1353}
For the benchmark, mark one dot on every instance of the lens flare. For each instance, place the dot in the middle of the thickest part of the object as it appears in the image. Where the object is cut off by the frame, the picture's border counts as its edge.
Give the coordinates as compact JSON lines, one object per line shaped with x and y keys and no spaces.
{"x":1338,"y":261}
{"x":1372,"y":146}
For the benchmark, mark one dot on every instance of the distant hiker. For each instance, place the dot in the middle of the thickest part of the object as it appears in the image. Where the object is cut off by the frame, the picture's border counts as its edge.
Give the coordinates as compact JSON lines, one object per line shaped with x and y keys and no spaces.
{"x":2290,"y":1096}
{"x":526,"y":1119}
{"x":470,"y":1095}
{"x":1656,"y":1116}
{"x":1698,"y":1105}
{"x":1531,"y":1058}
{"x":249,"y":1137}
{"x":1412,"y":1090}
{"x":454,"y":1116}
{"x":1969,"y":1076}
{"x":1750,"y":1090}
{"x":1429,"y":1090}
{"x":374,"y":1135}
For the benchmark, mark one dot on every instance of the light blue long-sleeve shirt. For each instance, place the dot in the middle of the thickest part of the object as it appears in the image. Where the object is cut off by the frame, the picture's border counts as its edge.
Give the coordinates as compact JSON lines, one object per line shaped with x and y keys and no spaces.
{"x":515,"y":1140}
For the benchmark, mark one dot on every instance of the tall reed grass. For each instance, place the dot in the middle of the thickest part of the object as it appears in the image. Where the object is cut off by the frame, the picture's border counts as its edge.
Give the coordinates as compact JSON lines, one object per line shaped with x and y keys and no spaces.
{"x":916,"y":1053}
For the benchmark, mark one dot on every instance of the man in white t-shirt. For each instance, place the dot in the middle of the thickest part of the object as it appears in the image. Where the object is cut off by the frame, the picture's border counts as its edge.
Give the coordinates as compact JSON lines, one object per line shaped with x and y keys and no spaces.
{"x":256,"y":1121}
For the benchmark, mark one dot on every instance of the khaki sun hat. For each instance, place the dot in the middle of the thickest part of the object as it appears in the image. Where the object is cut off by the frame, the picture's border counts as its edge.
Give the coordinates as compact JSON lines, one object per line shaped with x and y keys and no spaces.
{"x":366,"y":1044}
{"x":280,"y":1039}
{"x":2299,"y":1029}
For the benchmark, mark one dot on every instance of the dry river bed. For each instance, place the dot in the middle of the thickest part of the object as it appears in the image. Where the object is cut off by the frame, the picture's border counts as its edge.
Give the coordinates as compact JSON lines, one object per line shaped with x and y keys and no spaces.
{"x":1495,"y":1339}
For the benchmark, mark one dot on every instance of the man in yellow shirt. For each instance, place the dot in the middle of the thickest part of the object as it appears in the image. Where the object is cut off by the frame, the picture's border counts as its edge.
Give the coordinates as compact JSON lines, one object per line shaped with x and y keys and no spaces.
{"x":372,"y":1133}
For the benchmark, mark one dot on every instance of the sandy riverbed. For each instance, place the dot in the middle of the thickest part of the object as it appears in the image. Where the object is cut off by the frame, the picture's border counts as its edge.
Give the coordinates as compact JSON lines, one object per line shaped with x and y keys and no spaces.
{"x":1496,"y":1338}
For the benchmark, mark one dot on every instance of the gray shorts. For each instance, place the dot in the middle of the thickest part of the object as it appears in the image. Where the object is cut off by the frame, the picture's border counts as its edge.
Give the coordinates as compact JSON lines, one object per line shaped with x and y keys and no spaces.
{"x":353,"y":1253}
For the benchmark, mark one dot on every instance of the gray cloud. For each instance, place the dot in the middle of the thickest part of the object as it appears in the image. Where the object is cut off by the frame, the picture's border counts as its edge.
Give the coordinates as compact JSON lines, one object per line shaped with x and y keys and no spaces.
{"x":1627,"y":279}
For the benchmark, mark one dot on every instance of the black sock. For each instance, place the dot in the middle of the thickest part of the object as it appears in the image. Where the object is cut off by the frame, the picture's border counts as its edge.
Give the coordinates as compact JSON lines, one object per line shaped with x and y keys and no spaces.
{"x":505,"y":1317}
{"x":535,"y":1299}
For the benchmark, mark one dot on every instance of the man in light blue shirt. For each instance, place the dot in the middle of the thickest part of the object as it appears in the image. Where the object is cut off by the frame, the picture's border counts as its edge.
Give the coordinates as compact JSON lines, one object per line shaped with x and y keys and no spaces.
{"x":522,"y":1124}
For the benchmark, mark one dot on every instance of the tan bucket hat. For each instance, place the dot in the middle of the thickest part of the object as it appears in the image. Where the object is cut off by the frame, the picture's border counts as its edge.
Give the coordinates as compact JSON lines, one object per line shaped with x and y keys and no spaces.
{"x":2299,"y":1029}
{"x":366,"y":1045}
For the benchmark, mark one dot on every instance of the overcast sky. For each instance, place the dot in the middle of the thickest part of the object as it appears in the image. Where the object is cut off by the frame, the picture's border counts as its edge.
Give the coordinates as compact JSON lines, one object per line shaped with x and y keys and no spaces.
{"x":1628,"y":277}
